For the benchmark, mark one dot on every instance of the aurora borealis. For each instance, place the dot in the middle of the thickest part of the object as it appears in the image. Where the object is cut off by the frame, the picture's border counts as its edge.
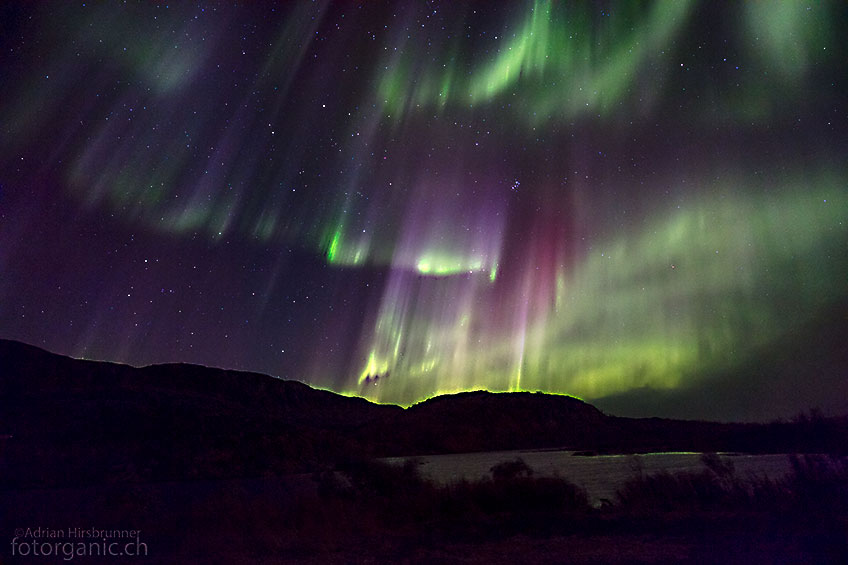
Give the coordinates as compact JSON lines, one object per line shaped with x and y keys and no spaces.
{"x":398,"y":200}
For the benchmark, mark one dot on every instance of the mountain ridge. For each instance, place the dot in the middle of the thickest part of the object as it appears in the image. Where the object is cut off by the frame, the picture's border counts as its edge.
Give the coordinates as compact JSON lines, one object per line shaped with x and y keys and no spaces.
{"x":71,"y":421}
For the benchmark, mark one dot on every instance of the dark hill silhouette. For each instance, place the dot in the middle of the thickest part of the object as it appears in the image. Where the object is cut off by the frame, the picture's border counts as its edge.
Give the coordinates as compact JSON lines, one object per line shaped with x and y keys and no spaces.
{"x":102,"y":421}
{"x":69,"y":421}
{"x":489,"y":421}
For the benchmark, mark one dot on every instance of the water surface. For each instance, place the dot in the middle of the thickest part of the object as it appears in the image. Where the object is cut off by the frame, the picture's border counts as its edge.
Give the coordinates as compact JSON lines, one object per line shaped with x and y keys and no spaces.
{"x":600,"y":475}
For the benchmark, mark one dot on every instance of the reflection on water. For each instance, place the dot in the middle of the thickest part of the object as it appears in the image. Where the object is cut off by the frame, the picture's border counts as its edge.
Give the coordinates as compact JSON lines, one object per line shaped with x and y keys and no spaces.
{"x":600,"y":475}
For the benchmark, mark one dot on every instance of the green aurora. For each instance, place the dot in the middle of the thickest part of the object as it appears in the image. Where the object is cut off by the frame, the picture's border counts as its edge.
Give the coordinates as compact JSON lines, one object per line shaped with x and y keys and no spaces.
{"x":692,"y":292}
{"x":398,"y":200}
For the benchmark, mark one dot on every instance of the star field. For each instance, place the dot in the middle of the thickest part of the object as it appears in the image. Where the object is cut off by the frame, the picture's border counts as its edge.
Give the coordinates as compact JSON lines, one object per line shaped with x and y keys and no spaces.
{"x":398,"y":200}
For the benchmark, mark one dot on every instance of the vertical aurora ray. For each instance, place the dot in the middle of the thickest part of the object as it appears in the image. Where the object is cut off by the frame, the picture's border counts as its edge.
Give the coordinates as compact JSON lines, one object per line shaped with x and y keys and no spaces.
{"x":565,"y":61}
{"x":649,"y":309}
{"x":402,"y":200}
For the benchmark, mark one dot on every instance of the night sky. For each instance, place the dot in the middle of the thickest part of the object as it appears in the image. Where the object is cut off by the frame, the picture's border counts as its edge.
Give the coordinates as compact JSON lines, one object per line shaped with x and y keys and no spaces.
{"x":626,"y":200}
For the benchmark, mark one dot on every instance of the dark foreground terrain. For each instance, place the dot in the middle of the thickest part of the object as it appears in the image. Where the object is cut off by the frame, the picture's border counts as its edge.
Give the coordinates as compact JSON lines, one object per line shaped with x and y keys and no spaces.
{"x":369,"y":512}
{"x":226,"y":467}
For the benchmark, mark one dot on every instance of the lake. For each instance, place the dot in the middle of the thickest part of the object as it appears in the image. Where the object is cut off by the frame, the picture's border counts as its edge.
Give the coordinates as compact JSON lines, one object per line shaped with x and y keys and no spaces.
{"x":600,"y":475}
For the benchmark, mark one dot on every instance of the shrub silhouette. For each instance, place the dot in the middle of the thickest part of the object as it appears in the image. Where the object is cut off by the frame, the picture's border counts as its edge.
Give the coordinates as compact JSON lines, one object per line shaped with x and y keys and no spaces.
{"x":371,"y":478}
{"x":819,"y":482}
{"x":816,"y":485}
{"x":665,"y":491}
{"x":392,"y":495}
{"x":722,"y":468}
{"x":713,"y":488}
{"x":369,"y":497}
{"x":510,"y":470}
